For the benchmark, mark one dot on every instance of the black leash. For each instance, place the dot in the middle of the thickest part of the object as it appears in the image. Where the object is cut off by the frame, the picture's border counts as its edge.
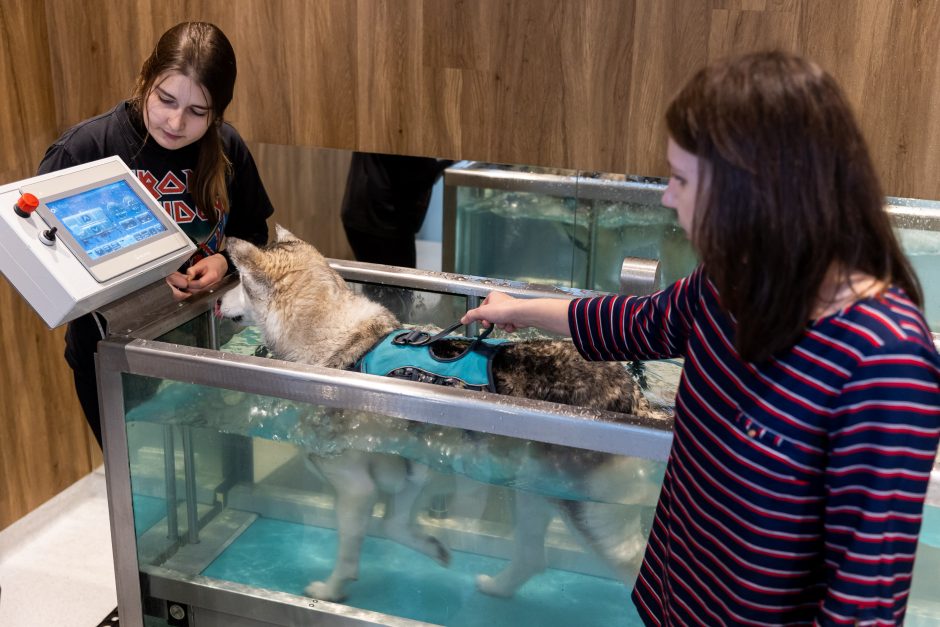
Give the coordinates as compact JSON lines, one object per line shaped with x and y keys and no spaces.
{"x":416,"y":337}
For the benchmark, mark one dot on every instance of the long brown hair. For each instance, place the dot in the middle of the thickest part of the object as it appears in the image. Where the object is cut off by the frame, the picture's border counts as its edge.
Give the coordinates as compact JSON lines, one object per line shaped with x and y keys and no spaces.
{"x":202,"y":52}
{"x":787,"y":191}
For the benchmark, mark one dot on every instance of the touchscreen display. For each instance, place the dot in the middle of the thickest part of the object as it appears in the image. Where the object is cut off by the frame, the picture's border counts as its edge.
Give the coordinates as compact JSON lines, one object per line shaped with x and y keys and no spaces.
{"x":106,"y":219}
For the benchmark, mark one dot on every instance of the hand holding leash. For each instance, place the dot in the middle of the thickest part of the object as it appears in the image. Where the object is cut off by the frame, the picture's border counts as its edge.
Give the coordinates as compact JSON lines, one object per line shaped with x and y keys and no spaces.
{"x":418,"y":337}
{"x":511,"y":314}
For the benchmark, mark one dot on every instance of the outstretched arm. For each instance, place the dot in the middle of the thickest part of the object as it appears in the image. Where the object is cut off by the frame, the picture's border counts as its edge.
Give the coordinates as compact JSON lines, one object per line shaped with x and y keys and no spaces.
{"x":509,"y":314}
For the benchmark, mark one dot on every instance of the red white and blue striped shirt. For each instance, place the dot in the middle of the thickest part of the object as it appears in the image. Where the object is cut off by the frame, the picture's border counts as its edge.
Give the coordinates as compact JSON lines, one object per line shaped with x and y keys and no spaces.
{"x":794,"y":489}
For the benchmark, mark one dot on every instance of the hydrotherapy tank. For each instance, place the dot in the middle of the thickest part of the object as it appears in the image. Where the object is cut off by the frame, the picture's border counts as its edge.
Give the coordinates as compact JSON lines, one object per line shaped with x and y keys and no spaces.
{"x":574,"y":228}
{"x":217,"y":520}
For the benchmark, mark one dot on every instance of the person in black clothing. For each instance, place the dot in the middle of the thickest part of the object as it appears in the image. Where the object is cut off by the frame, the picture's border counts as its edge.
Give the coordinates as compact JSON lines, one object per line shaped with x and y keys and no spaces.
{"x":172,"y":134}
{"x":384,"y":205}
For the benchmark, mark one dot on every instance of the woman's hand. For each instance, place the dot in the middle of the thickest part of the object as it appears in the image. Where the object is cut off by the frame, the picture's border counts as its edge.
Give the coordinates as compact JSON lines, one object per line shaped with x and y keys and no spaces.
{"x":496,"y":309}
{"x":510,"y":314}
{"x":179,"y":286}
{"x":200,"y":277}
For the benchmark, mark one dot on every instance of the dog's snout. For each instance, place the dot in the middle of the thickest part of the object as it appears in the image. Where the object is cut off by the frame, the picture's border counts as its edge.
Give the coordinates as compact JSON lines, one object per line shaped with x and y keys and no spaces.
{"x":217,"y":312}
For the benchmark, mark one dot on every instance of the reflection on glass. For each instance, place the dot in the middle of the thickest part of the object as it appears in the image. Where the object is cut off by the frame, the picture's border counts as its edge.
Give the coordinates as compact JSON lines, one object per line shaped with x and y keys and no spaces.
{"x":922,"y":248}
{"x":265,"y":517}
{"x":414,"y":306}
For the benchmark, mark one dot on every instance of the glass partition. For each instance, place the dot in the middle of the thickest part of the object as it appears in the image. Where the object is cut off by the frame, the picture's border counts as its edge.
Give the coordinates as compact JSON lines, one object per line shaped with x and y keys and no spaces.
{"x":243,"y":473}
{"x":558,"y":227}
{"x":918,"y":226}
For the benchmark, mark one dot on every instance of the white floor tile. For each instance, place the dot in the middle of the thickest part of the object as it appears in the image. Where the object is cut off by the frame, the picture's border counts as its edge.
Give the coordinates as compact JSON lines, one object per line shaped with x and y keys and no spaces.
{"x":56,"y":565}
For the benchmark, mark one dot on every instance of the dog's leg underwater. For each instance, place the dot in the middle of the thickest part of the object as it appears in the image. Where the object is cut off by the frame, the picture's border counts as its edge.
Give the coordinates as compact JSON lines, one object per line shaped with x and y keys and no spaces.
{"x":533,"y":514}
{"x":611,"y":523}
{"x":614,"y":532}
{"x":400,"y":514}
{"x":358,"y":479}
{"x":356,"y":495}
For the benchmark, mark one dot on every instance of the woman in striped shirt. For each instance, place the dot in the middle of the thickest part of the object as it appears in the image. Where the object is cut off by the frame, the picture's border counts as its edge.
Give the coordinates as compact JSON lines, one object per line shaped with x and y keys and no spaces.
{"x":808,"y":413}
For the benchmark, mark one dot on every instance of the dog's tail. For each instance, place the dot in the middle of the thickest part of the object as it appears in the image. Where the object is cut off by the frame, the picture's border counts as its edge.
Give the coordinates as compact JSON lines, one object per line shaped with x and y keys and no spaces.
{"x":613,"y":531}
{"x":624,"y":493}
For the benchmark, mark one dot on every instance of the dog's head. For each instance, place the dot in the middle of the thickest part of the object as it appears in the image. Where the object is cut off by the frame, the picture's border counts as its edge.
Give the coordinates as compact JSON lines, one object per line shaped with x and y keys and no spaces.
{"x":267,"y":275}
{"x":303,"y":308}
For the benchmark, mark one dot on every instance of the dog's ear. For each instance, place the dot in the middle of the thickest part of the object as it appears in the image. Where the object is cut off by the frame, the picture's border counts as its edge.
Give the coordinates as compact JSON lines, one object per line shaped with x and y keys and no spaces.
{"x":256,"y":286}
{"x":247,"y":258}
{"x":244,"y":255}
{"x":283,"y":235}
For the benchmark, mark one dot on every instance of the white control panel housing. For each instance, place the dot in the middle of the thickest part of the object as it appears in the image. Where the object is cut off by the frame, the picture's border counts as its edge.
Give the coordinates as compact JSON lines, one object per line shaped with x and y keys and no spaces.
{"x":111,"y":238}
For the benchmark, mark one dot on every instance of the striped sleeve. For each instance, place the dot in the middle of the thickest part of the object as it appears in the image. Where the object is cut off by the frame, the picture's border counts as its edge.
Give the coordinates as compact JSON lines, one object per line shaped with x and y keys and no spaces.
{"x":622,"y":328}
{"x":883,"y":443}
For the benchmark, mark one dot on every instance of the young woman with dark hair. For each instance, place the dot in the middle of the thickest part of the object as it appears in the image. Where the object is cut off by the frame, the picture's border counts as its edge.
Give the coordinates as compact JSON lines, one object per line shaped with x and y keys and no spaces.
{"x":808,"y":412}
{"x":172,"y":133}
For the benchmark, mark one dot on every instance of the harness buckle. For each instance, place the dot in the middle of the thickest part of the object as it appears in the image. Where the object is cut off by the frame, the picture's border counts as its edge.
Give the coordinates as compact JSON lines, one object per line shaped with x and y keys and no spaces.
{"x":414,"y":337}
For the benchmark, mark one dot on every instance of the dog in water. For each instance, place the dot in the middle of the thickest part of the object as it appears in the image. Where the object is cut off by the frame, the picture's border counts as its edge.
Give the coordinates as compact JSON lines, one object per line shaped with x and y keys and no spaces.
{"x":306,"y":313}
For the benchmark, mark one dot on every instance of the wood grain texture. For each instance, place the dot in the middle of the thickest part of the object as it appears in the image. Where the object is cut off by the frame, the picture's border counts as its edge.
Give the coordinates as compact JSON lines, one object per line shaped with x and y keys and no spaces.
{"x":27,"y":105}
{"x":891,"y":74}
{"x":733,"y":31}
{"x":662,"y":60}
{"x":549,"y":82}
{"x":306,"y":187}
{"x":44,"y":443}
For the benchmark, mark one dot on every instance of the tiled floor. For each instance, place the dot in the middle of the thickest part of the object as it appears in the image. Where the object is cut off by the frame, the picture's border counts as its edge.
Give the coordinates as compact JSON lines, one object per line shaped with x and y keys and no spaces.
{"x":56,"y":566}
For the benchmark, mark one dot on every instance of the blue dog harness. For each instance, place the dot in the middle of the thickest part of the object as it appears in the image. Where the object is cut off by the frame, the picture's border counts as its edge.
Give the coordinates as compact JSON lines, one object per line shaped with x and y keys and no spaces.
{"x":407,"y":354}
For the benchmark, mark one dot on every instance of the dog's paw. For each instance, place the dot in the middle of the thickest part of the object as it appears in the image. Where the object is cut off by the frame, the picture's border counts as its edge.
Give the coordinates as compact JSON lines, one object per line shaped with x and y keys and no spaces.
{"x":324,"y":592}
{"x":489,"y":585}
{"x":440,"y":553}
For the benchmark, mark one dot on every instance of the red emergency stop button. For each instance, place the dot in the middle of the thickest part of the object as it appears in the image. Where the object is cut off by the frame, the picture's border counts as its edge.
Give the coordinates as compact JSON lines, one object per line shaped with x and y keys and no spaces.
{"x":26,"y":204}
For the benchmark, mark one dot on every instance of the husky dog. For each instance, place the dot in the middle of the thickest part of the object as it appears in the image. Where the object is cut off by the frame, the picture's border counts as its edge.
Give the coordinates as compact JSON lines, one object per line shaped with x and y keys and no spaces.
{"x":306,"y":313}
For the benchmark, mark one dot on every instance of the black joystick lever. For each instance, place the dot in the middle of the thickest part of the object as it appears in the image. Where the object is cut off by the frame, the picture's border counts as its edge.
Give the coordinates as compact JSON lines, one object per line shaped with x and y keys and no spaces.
{"x":47,"y":237}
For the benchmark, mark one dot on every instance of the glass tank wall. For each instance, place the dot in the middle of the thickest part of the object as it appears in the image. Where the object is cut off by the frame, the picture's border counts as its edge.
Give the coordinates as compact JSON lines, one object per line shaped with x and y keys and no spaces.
{"x":234,"y":477}
{"x":918,"y":226}
{"x":557,"y":227}
{"x":574,"y":229}
{"x":238,"y":481}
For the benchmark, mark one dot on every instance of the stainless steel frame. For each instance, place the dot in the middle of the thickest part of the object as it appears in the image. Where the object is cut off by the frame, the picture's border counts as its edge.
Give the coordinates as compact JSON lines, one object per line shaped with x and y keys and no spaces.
{"x":131,"y":348}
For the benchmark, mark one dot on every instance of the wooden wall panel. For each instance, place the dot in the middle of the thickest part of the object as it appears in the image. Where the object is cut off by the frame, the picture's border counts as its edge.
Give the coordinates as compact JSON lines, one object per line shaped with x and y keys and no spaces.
{"x":891,"y":73}
{"x":549,"y":82}
{"x":670,"y":41}
{"x":44,"y":443}
{"x":306,"y":188}
{"x":733,"y":31}
{"x":325,"y":55}
{"x":480,"y":71}
{"x":27,"y":105}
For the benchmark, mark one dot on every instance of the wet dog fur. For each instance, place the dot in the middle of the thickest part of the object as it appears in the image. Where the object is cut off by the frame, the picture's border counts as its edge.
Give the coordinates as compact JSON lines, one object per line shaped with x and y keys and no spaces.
{"x":307,"y":313}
